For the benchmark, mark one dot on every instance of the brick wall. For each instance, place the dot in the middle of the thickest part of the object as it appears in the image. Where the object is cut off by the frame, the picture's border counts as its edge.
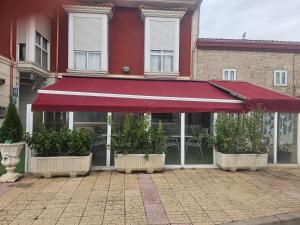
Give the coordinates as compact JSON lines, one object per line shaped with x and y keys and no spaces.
{"x":251,"y":66}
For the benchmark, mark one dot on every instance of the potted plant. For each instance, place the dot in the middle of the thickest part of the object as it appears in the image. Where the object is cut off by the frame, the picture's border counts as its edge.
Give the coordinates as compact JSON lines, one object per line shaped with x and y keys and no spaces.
{"x":11,"y":144}
{"x":239,"y":142}
{"x":138,"y":146}
{"x":60,"y":153}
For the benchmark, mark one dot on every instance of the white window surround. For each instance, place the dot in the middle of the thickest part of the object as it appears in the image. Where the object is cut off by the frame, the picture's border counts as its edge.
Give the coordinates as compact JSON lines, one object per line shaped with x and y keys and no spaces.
{"x":149,"y":16}
{"x":104,"y":42}
{"x":283,"y":76}
{"x":229,"y":71}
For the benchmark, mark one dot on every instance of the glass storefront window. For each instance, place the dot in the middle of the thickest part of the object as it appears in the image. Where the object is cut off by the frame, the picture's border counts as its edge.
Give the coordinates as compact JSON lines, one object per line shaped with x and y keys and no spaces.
{"x":56,"y":120}
{"x":197,"y":127}
{"x":287,"y":138}
{"x":268,"y":135}
{"x":96,"y":122}
{"x":171,"y":125}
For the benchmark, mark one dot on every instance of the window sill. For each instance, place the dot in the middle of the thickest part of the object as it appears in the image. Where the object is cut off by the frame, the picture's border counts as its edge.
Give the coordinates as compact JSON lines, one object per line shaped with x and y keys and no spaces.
{"x":280,"y":85}
{"x":158,"y":75}
{"x":88,"y":73}
{"x":29,"y":67}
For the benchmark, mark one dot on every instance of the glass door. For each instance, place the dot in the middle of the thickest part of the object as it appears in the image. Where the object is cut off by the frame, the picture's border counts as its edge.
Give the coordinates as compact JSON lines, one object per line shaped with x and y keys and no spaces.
{"x":96,"y":122}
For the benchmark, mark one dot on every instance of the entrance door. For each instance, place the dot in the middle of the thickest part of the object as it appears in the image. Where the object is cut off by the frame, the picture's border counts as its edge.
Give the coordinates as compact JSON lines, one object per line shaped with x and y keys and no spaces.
{"x":96,"y":122}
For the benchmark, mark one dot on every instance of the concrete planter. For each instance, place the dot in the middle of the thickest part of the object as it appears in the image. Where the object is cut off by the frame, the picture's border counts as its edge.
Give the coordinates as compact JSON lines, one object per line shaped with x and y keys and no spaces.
{"x":72,"y":166}
{"x":10,"y":158}
{"x":137,"y":162}
{"x":234,"y":162}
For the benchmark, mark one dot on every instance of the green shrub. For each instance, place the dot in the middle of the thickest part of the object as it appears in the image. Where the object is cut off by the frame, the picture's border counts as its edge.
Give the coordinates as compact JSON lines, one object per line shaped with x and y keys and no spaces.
{"x":137,"y":136}
{"x":46,"y":142}
{"x":241,"y":134}
{"x":11,"y":130}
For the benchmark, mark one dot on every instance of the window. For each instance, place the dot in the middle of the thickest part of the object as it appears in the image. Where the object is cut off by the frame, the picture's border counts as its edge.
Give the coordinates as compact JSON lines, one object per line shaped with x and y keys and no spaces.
{"x":162,"y":45}
{"x":41,"y":50}
{"x":229,"y":74}
{"x":22,"y":52}
{"x":280,"y":78}
{"x":88,"y":42}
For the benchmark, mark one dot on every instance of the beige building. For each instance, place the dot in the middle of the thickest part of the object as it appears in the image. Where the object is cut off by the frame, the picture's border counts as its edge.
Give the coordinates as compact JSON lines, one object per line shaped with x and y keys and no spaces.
{"x":272,"y":64}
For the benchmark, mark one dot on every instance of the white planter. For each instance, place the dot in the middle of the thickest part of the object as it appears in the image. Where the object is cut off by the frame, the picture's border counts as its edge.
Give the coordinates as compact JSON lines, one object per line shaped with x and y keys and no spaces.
{"x":10,"y":158}
{"x":234,"y":162}
{"x":138,"y":162}
{"x":72,"y":166}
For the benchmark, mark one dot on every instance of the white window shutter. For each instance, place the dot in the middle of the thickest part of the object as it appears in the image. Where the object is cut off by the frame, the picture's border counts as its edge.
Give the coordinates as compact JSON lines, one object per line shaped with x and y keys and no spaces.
{"x":87,"y":34}
{"x":162,"y":35}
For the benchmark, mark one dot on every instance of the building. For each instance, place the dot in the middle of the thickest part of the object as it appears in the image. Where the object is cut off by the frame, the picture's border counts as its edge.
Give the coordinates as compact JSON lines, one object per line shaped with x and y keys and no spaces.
{"x":272,"y":64}
{"x":102,"y":60}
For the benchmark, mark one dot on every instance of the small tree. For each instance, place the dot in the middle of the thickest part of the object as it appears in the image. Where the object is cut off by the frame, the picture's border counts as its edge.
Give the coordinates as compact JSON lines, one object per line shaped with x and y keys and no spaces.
{"x":11,"y":130}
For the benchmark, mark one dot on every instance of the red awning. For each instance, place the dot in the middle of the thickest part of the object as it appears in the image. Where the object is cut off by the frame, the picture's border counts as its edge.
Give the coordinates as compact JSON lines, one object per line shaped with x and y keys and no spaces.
{"x":160,"y":96}
{"x":132,"y":95}
{"x":255,"y":96}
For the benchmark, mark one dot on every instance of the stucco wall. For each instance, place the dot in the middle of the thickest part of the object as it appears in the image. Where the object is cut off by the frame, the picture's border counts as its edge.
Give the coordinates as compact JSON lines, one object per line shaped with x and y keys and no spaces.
{"x":254,"y":67}
{"x":5,"y":74}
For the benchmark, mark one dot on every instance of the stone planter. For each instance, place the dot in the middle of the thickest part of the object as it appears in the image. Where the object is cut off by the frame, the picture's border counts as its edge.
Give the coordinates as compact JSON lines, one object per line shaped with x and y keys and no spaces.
{"x":138,"y":162}
{"x":234,"y":162}
{"x":72,"y":166}
{"x":10,"y":158}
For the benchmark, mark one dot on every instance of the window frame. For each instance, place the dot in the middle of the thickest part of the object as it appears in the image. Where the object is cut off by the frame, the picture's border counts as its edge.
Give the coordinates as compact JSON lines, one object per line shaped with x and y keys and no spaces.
{"x":42,"y":49}
{"x":286,"y":78}
{"x":104,"y":39}
{"x":229,"y":70}
{"x":147,"y":53}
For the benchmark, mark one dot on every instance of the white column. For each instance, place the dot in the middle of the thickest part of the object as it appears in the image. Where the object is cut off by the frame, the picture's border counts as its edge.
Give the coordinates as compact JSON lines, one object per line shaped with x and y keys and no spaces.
{"x":182,"y":137}
{"x":298,"y":138}
{"x":108,"y":140}
{"x":29,"y":129}
{"x":275,"y":137}
{"x":214,"y":133}
{"x":71,"y":120}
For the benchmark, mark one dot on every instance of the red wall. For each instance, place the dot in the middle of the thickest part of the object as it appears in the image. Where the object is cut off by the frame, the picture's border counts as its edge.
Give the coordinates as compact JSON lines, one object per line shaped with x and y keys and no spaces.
{"x":126,"y":42}
{"x":5,"y":38}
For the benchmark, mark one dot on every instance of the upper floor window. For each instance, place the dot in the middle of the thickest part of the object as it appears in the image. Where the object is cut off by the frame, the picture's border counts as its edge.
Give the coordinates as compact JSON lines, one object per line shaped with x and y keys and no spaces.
{"x":88,"y":42}
{"x":41,"y":50}
{"x":162,"y":32}
{"x":280,"y":78}
{"x":229,"y":74}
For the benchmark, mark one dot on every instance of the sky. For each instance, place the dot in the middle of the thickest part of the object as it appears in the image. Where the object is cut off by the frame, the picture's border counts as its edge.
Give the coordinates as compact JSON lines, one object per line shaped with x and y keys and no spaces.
{"x":260,"y":19}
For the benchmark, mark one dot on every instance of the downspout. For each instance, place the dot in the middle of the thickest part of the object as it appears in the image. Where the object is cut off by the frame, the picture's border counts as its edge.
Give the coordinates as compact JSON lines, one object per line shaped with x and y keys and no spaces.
{"x":12,"y":59}
{"x":57,"y":42}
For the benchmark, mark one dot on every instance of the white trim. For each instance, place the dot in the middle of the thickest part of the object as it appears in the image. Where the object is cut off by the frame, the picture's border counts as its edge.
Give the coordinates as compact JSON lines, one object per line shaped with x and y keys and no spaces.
{"x":298,"y":139}
{"x":229,"y":70}
{"x":214,"y":133}
{"x":162,"y":13}
{"x":29,"y":129}
{"x":104,"y":44}
{"x":88,"y":9}
{"x":30,"y":39}
{"x":275,"y":137}
{"x":145,"y":97}
{"x":108,"y":140}
{"x":182,"y":139}
{"x":147,"y":49}
{"x":71,"y":120}
{"x":281,"y":73}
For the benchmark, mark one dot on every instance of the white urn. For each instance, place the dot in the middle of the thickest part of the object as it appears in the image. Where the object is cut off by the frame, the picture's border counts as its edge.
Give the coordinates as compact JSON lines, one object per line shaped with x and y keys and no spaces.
{"x":10,"y":158}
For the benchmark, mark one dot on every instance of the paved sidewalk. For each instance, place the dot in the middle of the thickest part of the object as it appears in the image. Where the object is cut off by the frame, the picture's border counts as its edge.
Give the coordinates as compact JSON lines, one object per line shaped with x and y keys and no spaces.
{"x":202,"y":196}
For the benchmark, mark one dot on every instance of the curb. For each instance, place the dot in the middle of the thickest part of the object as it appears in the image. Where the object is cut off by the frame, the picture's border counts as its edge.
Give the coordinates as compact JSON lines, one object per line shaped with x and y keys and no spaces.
{"x":281,"y":219}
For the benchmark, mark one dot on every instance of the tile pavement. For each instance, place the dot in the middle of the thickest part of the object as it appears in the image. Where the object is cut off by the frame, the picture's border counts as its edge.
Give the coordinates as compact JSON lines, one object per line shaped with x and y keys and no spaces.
{"x":200,"y":196}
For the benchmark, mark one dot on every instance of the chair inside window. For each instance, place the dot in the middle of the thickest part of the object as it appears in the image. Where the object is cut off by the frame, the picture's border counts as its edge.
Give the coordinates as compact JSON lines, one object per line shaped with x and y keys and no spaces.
{"x":195,"y":142}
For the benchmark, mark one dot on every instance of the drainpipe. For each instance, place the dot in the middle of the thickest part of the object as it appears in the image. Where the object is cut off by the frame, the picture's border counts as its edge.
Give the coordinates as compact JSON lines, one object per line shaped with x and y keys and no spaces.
{"x":57,"y":42}
{"x":12,"y":59}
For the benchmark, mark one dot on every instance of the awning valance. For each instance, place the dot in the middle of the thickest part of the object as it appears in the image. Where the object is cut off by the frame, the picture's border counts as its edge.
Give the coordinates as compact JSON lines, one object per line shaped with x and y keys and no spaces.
{"x":158,"y":96}
{"x":132,"y":95}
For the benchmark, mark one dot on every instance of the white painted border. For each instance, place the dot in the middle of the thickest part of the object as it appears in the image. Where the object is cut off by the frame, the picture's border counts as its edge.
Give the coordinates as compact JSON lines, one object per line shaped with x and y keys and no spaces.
{"x":144,"y":97}
{"x":275,"y":137}
{"x":71,"y":120}
{"x":29,"y":129}
{"x":182,"y":139}
{"x":108,"y":140}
